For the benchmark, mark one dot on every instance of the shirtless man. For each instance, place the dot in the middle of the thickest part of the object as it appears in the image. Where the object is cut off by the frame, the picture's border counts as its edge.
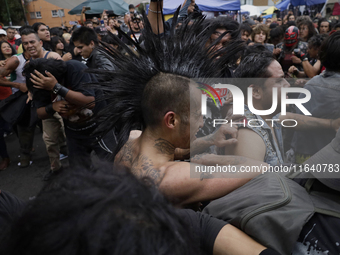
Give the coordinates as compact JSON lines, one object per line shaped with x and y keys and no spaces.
{"x":152,"y":154}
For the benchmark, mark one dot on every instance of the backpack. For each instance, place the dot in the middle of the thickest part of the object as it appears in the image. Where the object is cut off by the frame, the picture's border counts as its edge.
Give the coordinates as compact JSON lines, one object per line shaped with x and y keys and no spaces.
{"x":272,"y":208}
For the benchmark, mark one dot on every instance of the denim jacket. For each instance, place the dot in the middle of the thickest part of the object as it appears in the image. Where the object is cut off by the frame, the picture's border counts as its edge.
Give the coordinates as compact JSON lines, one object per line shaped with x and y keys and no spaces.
{"x":274,"y":151}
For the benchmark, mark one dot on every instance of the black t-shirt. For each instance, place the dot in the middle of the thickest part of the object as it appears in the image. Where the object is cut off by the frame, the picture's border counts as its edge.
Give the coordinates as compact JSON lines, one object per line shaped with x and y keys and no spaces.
{"x":75,"y":79}
{"x":204,"y":228}
{"x":321,"y":234}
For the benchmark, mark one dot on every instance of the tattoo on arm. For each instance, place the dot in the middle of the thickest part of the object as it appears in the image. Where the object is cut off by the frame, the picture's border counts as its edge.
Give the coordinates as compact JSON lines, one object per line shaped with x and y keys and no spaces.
{"x":164,"y":146}
{"x":147,"y":170}
{"x":205,"y":176}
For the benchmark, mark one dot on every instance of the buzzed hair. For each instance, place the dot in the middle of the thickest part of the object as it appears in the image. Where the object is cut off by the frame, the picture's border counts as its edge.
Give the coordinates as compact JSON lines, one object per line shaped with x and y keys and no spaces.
{"x":28,"y":31}
{"x":165,"y":92}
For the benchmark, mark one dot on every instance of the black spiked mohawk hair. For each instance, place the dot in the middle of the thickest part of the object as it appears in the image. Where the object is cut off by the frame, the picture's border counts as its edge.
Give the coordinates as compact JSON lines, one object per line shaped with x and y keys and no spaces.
{"x":184,"y":52}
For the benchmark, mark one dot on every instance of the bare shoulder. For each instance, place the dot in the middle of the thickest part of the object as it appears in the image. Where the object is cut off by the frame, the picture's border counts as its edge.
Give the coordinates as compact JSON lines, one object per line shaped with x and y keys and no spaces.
{"x":249,"y":144}
{"x":124,"y":156}
{"x":54,"y":55}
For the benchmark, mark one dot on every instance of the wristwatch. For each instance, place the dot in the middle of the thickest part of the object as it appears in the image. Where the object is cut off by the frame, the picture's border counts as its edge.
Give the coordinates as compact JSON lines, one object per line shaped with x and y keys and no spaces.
{"x":305,"y":59}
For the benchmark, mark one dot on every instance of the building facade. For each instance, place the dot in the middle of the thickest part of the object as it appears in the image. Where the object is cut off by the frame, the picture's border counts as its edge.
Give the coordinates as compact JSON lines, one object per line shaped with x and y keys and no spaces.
{"x":51,"y":15}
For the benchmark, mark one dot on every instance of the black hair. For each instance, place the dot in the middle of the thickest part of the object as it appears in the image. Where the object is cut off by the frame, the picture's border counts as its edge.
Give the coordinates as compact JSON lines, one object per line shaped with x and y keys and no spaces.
{"x":57,"y":68}
{"x":277,"y":32}
{"x":225,"y":23}
{"x":36,"y":26}
{"x":336,"y":26}
{"x":273,"y":25}
{"x":24,"y":27}
{"x":88,"y":22}
{"x":131,"y":6}
{"x":311,"y":28}
{"x":330,"y":52}
{"x":28,"y":31}
{"x":177,"y":56}
{"x":111,"y":212}
{"x":245,"y":27}
{"x":12,"y":28}
{"x":55,"y":40}
{"x":290,"y":23}
{"x":316,"y":40}
{"x":256,"y":48}
{"x":109,"y":40}
{"x":254,"y":65}
{"x":85,"y":35}
{"x":324,"y":20}
{"x":56,"y":31}
{"x":2,"y":57}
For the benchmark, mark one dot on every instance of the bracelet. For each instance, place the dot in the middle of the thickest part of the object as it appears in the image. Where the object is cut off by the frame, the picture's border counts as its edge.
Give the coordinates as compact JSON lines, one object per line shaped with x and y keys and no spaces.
{"x":56,"y":88}
{"x":49,"y":110}
{"x":154,"y":11}
{"x":305,"y":59}
{"x":60,"y":90}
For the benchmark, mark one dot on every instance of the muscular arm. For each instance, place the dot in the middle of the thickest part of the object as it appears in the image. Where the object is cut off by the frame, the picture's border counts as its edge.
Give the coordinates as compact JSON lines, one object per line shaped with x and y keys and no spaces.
{"x":249,"y":144}
{"x":183,"y":185}
{"x":306,"y":123}
{"x":310,"y":70}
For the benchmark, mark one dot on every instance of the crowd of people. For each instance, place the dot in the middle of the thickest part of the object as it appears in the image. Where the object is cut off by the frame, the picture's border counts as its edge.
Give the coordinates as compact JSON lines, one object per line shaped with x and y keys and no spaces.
{"x":129,"y":94}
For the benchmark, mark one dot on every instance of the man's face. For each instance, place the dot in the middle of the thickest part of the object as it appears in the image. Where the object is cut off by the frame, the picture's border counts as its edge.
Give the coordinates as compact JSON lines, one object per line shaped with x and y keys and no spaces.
{"x":83,"y":49}
{"x":3,"y":37}
{"x":90,"y":25}
{"x":291,"y":18}
{"x":218,"y":32}
{"x":135,"y":25}
{"x":276,"y":80}
{"x":312,"y":51}
{"x":260,"y":38}
{"x":268,"y":22}
{"x":32,"y":45}
{"x":10,"y":34}
{"x":44,"y":33}
{"x":245,"y":36}
{"x":324,"y":27}
{"x":304,"y":31}
{"x":127,"y":18}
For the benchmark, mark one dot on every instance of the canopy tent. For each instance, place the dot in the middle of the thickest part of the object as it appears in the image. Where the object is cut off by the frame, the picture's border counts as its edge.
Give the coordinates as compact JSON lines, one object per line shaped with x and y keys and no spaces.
{"x":119,"y":7}
{"x":65,"y":4}
{"x":297,"y":3}
{"x":270,"y":10}
{"x":283,"y":5}
{"x":170,"y":6}
{"x":253,"y":10}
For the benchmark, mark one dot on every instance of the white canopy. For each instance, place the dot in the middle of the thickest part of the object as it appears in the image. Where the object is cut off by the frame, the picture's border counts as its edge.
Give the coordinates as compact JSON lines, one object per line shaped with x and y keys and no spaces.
{"x":253,"y":10}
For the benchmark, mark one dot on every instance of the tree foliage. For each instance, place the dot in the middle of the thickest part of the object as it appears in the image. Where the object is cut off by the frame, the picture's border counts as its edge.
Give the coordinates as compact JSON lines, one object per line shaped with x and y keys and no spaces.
{"x":15,"y":10}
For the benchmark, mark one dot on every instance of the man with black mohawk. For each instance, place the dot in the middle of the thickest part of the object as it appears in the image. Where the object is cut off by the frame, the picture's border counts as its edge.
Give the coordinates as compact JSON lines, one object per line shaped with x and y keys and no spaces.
{"x":152,"y":90}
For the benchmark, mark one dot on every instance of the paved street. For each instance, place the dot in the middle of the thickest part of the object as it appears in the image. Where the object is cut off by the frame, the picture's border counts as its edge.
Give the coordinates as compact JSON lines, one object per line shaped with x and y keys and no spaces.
{"x":25,"y":182}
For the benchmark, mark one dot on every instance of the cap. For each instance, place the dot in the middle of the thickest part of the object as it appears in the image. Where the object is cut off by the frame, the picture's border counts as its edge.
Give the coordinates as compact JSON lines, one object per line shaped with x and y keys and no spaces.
{"x":326,"y":164}
{"x":101,"y":30}
{"x":2,"y":32}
